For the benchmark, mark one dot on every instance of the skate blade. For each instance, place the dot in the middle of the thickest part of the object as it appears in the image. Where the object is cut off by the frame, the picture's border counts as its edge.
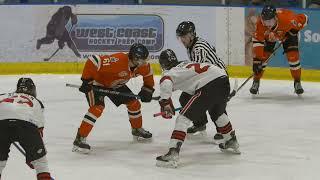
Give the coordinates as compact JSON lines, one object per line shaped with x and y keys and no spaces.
{"x":231,"y":151}
{"x":197,"y":135}
{"x":217,"y":141}
{"x":80,"y":150}
{"x":139,"y":139}
{"x":167,"y":164}
{"x":299,"y":95}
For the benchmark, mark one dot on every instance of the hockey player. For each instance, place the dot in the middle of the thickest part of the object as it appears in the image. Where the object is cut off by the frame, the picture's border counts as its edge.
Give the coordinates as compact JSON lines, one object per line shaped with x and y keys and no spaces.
{"x":22,"y":120}
{"x":209,"y":87}
{"x":56,"y":30}
{"x":199,"y":51}
{"x":272,"y":26}
{"x":113,"y":72}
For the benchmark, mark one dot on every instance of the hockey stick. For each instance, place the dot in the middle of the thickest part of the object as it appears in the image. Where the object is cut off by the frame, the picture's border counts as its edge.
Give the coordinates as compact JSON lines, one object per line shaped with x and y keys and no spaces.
{"x":161,"y":113}
{"x":22,"y":152}
{"x":19,"y":148}
{"x":234,"y":90}
{"x":233,"y":93}
{"x":47,"y":59}
{"x":106,"y":91}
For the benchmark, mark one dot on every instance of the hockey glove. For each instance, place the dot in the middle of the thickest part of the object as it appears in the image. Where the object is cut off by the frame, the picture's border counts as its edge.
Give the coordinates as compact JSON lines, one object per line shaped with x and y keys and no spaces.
{"x":146,"y":94}
{"x":86,"y":86}
{"x":167,"y":108}
{"x":292,"y":32}
{"x":61,"y":44}
{"x":257,"y":66}
{"x":272,"y":37}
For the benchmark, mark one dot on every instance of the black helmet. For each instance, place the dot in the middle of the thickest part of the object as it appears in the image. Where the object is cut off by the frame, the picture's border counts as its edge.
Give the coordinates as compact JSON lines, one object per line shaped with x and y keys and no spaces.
{"x":67,"y":10}
{"x":186,"y":27}
{"x":268,"y":12}
{"x":168,"y":59}
{"x":138,"y":51}
{"x":26,"y":86}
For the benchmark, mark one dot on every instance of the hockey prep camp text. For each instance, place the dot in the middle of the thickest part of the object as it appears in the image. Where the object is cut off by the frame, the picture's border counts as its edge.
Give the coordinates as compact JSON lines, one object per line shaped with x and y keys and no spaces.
{"x":117,"y":36}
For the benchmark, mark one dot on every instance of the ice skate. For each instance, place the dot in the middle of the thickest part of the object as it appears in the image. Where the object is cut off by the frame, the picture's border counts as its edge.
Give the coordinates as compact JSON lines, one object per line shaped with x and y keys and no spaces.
{"x":140,"y":134}
{"x":80,"y":145}
{"x":217,"y":138}
{"x":255,"y":87}
{"x":298,"y":88}
{"x":169,"y":160}
{"x":230,"y":145}
{"x":197,"y":131}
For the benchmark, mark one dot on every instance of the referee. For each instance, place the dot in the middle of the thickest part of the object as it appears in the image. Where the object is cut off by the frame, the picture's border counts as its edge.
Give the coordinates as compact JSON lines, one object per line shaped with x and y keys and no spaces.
{"x":199,"y":51}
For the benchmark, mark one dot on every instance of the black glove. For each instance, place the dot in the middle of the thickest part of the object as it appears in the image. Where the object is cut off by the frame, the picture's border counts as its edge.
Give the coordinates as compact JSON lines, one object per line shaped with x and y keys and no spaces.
{"x":86,"y":86}
{"x":257,"y":66}
{"x":61,"y":44}
{"x":167,"y":108}
{"x":292,"y":32}
{"x":146,"y":93}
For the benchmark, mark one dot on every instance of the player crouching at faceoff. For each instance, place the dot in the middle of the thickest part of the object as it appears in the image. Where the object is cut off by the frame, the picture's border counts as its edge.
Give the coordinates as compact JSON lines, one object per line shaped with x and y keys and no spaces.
{"x":210,"y":88}
{"x":22,"y":120}
{"x":272,"y":26}
{"x":113,"y":72}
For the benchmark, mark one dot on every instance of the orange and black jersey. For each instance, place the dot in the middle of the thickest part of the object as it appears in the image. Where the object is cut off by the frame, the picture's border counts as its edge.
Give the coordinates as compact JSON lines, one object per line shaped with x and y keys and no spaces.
{"x":287,"y":21}
{"x":113,"y":71}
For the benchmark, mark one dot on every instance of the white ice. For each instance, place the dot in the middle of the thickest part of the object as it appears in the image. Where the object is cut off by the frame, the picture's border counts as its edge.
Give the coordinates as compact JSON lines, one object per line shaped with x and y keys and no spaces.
{"x":278,"y":134}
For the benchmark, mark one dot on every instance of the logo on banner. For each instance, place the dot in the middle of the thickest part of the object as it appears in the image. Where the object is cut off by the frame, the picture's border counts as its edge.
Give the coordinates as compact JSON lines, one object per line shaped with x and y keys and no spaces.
{"x":116,"y":33}
{"x":59,"y":28}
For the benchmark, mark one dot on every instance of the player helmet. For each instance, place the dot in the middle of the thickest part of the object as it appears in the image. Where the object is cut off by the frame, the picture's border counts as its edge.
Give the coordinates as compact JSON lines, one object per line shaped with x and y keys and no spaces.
{"x":268,"y":12}
{"x":186,"y":27}
{"x":67,"y":11}
{"x":26,"y":86}
{"x":168,"y":59}
{"x":138,"y":52}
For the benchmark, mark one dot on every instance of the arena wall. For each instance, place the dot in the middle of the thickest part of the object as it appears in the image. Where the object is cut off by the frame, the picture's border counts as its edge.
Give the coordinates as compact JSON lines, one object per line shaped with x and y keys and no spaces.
{"x":112,"y":28}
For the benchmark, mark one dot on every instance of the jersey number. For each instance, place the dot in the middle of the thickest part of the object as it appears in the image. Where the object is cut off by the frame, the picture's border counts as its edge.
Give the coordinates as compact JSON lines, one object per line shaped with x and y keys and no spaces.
{"x":21,"y":100}
{"x":197,"y":68}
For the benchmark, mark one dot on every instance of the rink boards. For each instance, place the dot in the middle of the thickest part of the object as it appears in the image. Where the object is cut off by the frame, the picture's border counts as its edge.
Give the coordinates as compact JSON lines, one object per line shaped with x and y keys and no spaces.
{"x":106,"y":29}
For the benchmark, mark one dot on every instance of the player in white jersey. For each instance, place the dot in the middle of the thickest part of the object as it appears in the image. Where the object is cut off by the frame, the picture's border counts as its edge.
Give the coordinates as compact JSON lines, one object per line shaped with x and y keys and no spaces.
{"x":199,"y":51}
{"x":209,"y":86}
{"x":22,"y":120}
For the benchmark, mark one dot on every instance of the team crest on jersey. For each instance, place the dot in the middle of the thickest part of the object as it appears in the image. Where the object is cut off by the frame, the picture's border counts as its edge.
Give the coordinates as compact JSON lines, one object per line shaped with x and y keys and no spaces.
{"x":109,"y":60}
{"x":122,"y":73}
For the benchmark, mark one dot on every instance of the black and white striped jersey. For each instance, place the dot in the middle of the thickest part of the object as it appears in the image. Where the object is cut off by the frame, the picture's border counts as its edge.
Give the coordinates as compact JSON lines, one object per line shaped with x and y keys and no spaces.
{"x":202,"y":52}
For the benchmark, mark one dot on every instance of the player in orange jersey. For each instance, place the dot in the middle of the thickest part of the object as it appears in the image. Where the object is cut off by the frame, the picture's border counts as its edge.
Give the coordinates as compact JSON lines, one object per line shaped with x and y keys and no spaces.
{"x":112,"y":72}
{"x":272,"y":26}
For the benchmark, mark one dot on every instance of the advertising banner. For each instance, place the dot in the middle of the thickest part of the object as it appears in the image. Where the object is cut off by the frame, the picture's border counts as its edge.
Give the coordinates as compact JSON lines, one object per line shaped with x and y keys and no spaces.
{"x":67,"y":33}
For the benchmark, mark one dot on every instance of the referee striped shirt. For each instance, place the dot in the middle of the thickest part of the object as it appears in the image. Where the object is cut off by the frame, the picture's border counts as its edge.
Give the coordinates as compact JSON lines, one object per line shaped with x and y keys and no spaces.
{"x":202,"y":52}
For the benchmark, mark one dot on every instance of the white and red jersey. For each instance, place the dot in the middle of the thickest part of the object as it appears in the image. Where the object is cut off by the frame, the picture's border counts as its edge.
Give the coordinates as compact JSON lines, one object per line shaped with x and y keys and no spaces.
{"x":22,"y":107}
{"x":188,"y":77}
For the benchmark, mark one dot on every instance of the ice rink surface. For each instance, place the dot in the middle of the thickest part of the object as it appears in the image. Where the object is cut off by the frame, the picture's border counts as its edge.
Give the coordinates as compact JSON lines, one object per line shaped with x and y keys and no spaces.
{"x":278,"y":134}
